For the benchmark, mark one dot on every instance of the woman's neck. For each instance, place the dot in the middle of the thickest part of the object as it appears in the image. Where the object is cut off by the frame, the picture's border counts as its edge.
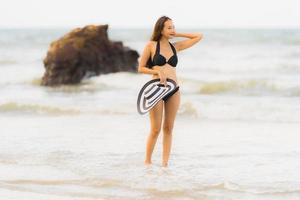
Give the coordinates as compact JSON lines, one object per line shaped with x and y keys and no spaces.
{"x":164,"y":40}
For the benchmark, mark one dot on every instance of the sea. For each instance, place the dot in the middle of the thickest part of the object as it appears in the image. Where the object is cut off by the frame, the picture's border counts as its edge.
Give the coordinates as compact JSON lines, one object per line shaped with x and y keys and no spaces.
{"x":236,"y":133}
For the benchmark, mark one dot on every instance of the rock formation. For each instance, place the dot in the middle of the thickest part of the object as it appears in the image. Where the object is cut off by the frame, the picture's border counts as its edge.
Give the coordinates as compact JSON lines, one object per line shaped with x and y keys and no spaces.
{"x":86,"y":52}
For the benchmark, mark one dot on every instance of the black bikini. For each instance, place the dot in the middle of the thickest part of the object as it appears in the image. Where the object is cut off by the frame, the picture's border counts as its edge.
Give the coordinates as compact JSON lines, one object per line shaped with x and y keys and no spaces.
{"x":160,"y":60}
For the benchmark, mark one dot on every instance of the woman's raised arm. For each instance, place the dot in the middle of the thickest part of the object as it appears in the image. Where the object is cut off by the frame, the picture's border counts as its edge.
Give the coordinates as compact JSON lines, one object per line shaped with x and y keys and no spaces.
{"x":193,"y":39}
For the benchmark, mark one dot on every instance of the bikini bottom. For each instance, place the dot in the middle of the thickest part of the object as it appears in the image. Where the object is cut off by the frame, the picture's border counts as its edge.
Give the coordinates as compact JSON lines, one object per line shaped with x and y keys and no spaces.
{"x":170,"y":94}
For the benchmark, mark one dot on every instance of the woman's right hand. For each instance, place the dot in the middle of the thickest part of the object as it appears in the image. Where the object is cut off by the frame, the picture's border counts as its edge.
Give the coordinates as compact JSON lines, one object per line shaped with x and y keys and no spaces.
{"x":162,"y":77}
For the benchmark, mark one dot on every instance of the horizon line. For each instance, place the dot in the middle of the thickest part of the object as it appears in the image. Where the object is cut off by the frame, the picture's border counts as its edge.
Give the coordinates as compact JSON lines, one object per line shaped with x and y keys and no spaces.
{"x":147,"y":28}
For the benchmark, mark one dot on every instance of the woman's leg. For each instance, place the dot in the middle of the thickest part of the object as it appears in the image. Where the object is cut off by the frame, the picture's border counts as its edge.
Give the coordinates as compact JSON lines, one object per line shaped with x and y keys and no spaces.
{"x":155,"y":115}
{"x":171,"y":107}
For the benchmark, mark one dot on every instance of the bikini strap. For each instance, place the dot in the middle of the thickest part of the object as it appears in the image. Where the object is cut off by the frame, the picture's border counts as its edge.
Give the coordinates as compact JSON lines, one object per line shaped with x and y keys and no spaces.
{"x":157,"y":47}
{"x":173,"y":48}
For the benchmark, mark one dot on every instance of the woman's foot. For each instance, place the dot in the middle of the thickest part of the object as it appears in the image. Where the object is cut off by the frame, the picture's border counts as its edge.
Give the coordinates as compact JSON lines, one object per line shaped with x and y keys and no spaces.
{"x":147,"y":162}
{"x":164,"y":164}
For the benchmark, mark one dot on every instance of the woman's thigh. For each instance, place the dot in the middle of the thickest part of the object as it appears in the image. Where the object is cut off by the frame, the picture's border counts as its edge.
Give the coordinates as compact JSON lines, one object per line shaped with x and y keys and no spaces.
{"x":171,"y":108}
{"x":156,"y":114}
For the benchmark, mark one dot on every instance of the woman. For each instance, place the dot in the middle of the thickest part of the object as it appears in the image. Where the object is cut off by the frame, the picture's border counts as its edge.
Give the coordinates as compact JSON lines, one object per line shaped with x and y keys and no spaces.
{"x":159,"y":58}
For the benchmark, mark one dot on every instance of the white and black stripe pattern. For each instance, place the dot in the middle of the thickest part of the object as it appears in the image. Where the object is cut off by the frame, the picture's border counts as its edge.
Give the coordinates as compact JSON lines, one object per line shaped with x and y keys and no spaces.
{"x":152,"y":92}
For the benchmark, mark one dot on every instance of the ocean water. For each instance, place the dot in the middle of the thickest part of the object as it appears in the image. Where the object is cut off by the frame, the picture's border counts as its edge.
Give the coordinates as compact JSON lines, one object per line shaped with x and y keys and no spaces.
{"x":236,"y":135}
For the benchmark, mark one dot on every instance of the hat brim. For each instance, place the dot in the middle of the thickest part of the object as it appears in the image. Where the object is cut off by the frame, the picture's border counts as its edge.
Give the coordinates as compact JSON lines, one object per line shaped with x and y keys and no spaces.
{"x":152,"y":92}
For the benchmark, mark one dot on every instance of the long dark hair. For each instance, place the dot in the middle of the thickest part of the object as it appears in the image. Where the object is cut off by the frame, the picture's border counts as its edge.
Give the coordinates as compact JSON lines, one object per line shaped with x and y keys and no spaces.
{"x":159,"y":25}
{"x":156,"y":34}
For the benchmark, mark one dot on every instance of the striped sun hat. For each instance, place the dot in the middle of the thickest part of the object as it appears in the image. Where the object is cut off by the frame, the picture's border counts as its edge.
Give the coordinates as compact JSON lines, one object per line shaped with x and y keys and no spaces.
{"x":152,"y":92}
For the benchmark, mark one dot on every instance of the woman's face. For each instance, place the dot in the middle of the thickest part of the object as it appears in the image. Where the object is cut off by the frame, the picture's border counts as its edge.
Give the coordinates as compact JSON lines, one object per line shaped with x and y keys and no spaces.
{"x":169,"y":29}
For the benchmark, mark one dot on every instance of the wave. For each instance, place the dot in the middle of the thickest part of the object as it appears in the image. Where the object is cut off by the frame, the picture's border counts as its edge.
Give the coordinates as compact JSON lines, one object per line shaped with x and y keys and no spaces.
{"x":36,"y":108}
{"x":249,"y":87}
{"x":62,"y":188}
{"x":89,"y":188}
{"x":8,"y":62}
{"x":54,"y":110}
{"x":83,"y":182}
{"x":84,"y":86}
{"x":36,"y":81}
{"x":258,"y":189}
{"x":236,"y":86}
{"x":188,"y":109}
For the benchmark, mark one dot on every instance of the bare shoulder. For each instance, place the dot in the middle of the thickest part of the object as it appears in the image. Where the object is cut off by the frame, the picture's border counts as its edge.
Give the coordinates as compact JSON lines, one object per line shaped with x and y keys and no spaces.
{"x":150,"y":45}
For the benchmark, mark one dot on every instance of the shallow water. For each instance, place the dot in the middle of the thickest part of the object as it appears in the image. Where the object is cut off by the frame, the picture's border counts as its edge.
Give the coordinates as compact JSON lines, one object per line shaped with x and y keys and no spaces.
{"x":92,"y":157}
{"x":235,"y":136}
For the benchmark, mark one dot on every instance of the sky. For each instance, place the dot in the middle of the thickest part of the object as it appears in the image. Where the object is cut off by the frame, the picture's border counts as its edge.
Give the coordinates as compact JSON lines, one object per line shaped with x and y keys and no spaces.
{"x":143,"y":14}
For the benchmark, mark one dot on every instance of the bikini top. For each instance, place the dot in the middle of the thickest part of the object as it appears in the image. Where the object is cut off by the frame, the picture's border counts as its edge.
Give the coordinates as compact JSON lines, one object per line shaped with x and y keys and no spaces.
{"x":160,"y":60}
